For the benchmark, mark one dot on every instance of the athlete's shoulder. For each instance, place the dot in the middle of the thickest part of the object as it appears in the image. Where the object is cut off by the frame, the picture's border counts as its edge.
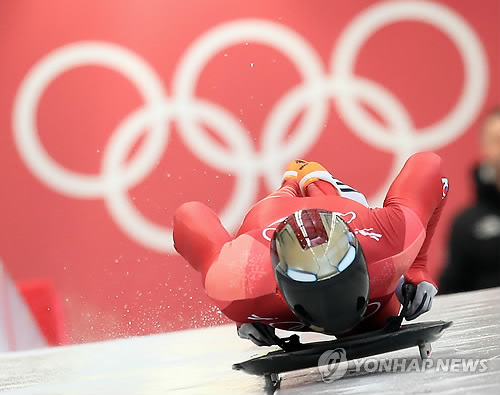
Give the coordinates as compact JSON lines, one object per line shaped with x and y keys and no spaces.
{"x":198,"y":234}
{"x":241,"y":270}
{"x":189,"y":210}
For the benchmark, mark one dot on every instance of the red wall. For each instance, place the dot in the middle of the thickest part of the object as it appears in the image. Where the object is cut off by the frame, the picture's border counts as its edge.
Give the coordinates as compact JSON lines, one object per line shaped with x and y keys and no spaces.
{"x":101,"y":141}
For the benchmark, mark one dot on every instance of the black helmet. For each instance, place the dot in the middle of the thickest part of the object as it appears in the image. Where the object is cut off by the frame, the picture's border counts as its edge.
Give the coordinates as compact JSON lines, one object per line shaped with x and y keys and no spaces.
{"x":321,"y":270}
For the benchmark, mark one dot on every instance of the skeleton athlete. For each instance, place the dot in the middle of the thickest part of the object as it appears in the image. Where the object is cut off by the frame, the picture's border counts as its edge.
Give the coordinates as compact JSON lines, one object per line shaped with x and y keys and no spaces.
{"x":313,"y":256}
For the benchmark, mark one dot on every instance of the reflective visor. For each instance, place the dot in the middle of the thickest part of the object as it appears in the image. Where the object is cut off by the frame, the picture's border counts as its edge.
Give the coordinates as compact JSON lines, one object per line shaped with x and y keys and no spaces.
{"x":314,"y":245}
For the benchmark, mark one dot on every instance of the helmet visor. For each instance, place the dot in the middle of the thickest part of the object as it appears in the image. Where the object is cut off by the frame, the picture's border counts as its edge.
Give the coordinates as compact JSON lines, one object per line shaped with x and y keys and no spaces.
{"x":311,"y":252}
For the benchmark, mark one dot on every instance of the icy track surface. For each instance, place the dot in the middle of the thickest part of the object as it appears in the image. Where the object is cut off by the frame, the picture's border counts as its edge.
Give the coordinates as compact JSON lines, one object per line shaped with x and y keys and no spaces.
{"x":199,"y":362}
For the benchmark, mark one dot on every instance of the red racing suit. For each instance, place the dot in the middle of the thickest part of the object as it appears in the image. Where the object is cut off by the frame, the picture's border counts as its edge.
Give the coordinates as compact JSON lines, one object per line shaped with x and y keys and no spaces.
{"x":237,"y":271}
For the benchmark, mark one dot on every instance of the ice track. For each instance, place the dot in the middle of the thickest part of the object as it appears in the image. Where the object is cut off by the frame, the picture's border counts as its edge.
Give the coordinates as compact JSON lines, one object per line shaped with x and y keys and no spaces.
{"x":199,"y":362}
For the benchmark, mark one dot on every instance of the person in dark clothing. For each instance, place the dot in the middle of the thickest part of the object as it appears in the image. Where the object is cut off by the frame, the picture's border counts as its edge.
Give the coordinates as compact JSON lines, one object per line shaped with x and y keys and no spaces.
{"x":474,"y":246}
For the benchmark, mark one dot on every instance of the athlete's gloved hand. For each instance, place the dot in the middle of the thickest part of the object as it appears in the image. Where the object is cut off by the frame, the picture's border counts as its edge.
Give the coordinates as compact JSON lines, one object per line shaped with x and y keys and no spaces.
{"x":422,"y":302}
{"x":260,"y":334}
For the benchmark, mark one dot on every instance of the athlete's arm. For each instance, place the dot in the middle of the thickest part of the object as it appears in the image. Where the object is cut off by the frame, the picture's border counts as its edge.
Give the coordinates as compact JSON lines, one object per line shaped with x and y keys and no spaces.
{"x":422,"y":187}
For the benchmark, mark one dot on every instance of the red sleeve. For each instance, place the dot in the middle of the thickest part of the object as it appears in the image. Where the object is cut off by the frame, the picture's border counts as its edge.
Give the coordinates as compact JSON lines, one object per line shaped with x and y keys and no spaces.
{"x":198,"y":235}
{"x":422,"y":187}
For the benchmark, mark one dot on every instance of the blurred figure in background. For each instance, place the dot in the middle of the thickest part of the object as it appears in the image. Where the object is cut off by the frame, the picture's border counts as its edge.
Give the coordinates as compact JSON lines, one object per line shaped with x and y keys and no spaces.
{"x":474,"y":247}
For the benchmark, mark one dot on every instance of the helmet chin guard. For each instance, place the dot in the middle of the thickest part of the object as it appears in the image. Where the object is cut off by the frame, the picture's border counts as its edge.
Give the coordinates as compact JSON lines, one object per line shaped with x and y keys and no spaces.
{"x":321,"y":270}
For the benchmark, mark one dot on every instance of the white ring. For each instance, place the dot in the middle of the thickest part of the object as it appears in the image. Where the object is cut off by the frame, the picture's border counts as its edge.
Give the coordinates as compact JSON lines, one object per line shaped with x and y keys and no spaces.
{"x":399,"y":138}
{"x":343,"y":60}
{"x":37,"y":80}
{"x":122,"y":208}
{"x":206,"y":46}
{"x":392,"y":111}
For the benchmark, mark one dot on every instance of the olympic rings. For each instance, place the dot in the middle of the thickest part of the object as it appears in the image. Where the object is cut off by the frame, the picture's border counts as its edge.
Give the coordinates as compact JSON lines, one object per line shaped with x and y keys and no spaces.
{"x":400,"y":137}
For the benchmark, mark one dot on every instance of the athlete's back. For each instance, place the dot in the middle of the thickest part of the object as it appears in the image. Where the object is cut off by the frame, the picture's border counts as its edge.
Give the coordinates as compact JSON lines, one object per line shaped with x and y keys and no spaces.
{"x":238,"y":274}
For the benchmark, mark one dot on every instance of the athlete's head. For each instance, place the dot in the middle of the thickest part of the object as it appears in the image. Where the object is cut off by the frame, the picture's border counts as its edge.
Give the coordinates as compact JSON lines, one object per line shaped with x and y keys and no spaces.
{"x":320,"y":270}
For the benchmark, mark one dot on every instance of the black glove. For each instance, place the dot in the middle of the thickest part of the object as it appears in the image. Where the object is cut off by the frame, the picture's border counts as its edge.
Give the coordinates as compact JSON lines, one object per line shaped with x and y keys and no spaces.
{"x":260,"y":334}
